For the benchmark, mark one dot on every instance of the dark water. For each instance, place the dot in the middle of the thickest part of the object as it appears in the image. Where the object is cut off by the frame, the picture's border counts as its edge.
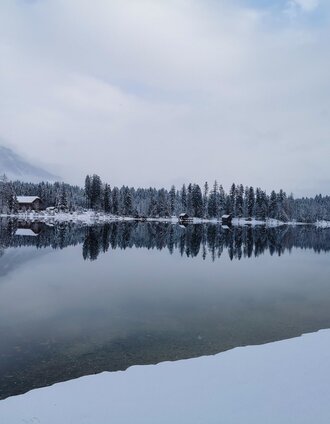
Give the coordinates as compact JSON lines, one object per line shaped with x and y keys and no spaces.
{"x":77,"y":301}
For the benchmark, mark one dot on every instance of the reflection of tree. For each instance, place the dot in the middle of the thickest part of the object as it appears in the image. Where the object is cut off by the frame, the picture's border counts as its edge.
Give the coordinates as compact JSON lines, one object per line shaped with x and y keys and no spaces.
{"x":204,"y":239}
{"x":191,"y":241}
{"x":57,"y":237}
{"x":92,"y":244}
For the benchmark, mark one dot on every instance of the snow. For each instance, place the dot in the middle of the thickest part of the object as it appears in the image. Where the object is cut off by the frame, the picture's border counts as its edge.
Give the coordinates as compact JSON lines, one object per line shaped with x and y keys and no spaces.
{"x":282,"y":382}
{"x":90,"y":217}
{"x":27,"y":199}
{"x":323,"y":224}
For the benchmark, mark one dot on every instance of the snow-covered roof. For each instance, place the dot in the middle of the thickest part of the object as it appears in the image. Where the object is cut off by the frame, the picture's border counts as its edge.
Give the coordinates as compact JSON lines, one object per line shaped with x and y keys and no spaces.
{"x":226,"y":216}
{"x":25,"y":232}
{"x":27,"y":199}
{"x":183,"y":214}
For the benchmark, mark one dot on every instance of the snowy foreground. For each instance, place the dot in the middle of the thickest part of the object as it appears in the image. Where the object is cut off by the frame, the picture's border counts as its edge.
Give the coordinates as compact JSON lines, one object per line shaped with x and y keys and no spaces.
{"x":91,"y":217}
{"x":282,"y":382}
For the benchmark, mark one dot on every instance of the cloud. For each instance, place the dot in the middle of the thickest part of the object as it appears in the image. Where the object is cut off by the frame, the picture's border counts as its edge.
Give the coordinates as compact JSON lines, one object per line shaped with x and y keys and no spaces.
{"x":306,"y":5}
{"x":294,"y":7}
{"x":155,"y":92}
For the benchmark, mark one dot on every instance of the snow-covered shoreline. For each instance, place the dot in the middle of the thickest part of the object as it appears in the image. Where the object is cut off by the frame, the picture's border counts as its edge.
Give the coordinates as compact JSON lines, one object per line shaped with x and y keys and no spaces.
{"x":279,"y":382}
{"x":92,"y":217}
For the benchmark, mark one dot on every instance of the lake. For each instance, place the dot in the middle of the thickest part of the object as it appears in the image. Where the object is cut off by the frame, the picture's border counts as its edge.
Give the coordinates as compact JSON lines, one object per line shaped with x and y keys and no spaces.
{"x":78,"y":300}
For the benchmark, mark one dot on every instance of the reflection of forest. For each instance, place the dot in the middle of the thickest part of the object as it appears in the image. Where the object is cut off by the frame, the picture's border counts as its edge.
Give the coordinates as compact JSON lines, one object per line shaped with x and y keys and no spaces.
{"x":191,"y":241}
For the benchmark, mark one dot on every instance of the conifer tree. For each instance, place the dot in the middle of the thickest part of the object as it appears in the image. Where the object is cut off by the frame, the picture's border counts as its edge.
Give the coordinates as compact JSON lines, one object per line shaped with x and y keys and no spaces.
{"x":273,"y":205}
{"x":172,"y":200}
{"x":115,"y":201}
{"x":189,"y":200}
{"x":239,"y":200}
{"x":213,"y":201}
{"x":197,"y":201}
{"x":127,"y":202}
{"x":205,"y":199}
{"x":184,"y":204}
{"x":88,"y":191}
{"x":106,"y":198}
{"x":250,"y":202}
{"x":232,"y":199}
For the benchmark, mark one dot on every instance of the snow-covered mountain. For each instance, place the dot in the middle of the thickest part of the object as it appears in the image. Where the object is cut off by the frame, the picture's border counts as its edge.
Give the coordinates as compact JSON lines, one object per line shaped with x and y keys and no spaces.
{"x":16,"y":168}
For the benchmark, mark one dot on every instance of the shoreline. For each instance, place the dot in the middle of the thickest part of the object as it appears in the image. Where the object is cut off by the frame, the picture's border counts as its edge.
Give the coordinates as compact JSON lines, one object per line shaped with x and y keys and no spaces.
{"x":91,"y":218}
{"x":296,"y":384}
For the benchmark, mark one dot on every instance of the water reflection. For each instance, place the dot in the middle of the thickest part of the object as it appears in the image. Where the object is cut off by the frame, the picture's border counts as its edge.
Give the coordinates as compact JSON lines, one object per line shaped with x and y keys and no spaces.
{"x":200,"y":239}
{"x":155,"y":293}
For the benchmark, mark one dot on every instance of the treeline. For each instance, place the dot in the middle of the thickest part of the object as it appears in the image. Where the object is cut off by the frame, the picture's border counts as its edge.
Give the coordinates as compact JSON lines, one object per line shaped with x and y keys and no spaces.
{"x":206,"y":202}
{"x":201,"y":202}
{"x":61,"y":195}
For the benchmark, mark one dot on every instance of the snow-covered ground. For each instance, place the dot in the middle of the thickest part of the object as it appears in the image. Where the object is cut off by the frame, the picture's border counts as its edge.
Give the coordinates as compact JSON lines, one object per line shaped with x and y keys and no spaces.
{"x":91,"y":217}
{"x":323,"y":224}
{"x":282,"y":382}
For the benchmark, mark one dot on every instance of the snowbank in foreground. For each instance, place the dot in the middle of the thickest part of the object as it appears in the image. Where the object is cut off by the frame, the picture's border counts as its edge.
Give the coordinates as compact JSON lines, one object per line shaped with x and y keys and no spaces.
{"x":283,"y":382}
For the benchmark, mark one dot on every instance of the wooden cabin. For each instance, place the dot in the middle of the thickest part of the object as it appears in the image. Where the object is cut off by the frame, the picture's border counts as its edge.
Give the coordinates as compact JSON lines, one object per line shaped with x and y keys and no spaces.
{"x":226,"y":219}
{"x":26,"y":203}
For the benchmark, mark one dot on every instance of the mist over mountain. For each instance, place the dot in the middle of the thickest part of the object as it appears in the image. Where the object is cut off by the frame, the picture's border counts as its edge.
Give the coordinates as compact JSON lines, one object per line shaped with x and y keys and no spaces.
{"x":16,"y":168}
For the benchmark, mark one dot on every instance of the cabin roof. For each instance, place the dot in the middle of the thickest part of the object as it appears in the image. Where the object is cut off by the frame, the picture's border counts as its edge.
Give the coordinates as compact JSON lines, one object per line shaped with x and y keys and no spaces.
{"x":27,"y":199}
{"x":226,"y":216}
{"x":183,"y":214}
{"x":25,"y":232}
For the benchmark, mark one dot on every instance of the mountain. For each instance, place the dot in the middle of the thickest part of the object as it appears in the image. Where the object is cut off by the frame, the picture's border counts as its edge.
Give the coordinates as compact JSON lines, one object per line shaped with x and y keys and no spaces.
{"x":16,"y":168}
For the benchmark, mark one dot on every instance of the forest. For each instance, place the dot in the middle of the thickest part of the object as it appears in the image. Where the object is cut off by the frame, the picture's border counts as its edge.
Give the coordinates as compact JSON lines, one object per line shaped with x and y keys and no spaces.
{"x":208,"y":201}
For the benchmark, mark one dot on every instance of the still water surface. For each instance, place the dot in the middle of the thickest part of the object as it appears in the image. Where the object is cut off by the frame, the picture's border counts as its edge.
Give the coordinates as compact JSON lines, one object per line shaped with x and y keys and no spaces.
{"x":76,"y":300}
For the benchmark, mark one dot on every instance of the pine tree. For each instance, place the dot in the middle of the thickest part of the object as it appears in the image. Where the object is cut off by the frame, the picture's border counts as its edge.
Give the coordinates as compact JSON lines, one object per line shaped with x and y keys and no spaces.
{"x":261,"y":204}
{"x":63,"y":200}
{"x":162,"y":204}
{"x":153,"y":207}
{"x":96,"y":192}
{"x":115,"y":201}
{"x":221,"y":202}
{"x":282,"y":213}
{"x":184,"y":199}
{"x":213,"y":201}
{"x":106,"y":198}
{"x":205,"y":199}
{"x":273,"y":205}
{"x":127,"y":202}
{"x":189,"y":200}
{"x":88,"y":191}
{"x":8,"y":201}
{"x":239,"y":200}
{"x":197,"y":201}
{"x":232,"y":199}
{"x":172,"y":200}
{"x":250,"y":202}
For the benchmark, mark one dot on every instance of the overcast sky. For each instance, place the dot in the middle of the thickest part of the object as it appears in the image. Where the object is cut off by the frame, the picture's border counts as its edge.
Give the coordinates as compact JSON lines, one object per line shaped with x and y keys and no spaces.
{"x":156,"y":92}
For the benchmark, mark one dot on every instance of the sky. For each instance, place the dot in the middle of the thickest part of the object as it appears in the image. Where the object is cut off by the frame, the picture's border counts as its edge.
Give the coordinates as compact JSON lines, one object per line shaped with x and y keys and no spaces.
{"x":155,"y":92}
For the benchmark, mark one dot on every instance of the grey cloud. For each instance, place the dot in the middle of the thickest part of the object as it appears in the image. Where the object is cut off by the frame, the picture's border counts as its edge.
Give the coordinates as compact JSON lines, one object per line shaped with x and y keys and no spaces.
{"x":152,"y":92}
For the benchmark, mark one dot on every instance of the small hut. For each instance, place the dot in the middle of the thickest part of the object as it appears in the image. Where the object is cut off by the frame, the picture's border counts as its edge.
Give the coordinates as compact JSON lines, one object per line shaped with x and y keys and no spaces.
{"x":184,"y":218}
{"x":226,"y":219}
{"x":33,"y":203}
